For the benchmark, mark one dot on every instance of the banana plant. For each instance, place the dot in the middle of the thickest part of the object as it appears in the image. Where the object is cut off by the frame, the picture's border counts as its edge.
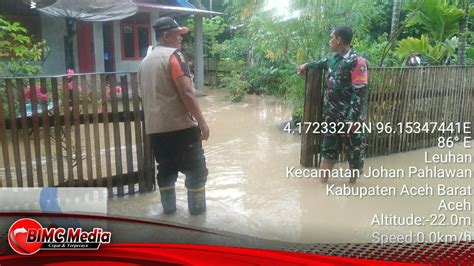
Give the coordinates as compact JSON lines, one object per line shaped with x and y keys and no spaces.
{"x":435,"y":54}
{"x":464,"y":30}
{"x":443,"y":21}
{"x":439,"y":18}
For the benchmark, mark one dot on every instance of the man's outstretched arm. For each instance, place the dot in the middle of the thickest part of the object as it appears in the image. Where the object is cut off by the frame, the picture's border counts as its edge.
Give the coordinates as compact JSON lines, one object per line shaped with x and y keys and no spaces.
{"x":320,"y":64}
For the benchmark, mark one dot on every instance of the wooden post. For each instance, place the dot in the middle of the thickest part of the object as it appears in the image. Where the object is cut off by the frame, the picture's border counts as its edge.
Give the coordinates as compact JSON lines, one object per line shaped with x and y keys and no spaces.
{"x":85,"y":111}
{"x":95,"y":122}
{"x":313,"y":112}
{"x":46,"y":135}
{"x":105,"y":116}
{"x":57,"y":131}
{"x":15,"y":137}
{"x":138,"y":133}
{"x":26,"y":136}
{"x":116,"y":134}
{"x":77,"y":131}
{"x":36,"y":134}
{"x":3,"y":140}
{"x":128,"y":133}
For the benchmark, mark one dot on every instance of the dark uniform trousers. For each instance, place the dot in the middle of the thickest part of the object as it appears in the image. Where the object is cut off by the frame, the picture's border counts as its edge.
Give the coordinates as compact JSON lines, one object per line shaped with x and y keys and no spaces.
{"x":180,"y":151}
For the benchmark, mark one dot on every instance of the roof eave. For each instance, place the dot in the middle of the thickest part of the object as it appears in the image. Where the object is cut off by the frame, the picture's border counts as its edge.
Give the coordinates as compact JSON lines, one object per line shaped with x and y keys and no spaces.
{"x":180,"y":11}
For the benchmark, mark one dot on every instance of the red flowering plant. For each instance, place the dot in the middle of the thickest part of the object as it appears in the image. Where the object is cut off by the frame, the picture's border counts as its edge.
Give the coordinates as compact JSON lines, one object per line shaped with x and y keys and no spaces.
{"x":83,"y":90}
{"x":38,"y":92}
{"x":40,"y":95}
{"x":108,"y":91}
{"x":118,"y":91}
{"x":71,"y":86}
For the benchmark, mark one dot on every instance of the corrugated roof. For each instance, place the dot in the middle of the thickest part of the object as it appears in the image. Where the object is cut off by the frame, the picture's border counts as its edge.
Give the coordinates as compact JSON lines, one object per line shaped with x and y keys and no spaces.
{"x":168,"y":10}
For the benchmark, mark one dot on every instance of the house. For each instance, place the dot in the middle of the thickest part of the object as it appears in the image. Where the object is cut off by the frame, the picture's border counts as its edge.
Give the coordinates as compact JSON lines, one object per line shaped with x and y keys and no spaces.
{"x":105,"y":45}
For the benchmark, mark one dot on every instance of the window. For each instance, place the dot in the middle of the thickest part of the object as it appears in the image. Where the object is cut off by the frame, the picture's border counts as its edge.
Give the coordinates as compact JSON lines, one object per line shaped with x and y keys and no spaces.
{"x":143,"y":41}
{"x":135,"y":33}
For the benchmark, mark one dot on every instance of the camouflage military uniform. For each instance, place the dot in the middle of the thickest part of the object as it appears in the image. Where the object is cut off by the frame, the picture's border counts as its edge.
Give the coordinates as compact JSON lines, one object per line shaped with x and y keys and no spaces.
{"x":345,"y":96}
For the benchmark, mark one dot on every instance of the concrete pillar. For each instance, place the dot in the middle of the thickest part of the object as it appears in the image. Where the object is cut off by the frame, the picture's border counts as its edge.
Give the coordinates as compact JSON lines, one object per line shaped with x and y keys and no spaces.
{"x":153,"y":16}
{"x":98,"y":47}
{"x":199,"y":59}
{"x":53,"y":30}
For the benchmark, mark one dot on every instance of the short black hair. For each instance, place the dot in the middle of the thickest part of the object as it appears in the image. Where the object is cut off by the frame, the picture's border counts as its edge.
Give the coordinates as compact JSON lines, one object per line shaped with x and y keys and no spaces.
{"x":343,"y":32}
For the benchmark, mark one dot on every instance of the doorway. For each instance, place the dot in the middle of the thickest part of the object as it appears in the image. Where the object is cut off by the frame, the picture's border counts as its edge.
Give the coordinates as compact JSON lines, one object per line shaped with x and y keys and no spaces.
{"x":109,"y":51}
{"x":85,"y":45}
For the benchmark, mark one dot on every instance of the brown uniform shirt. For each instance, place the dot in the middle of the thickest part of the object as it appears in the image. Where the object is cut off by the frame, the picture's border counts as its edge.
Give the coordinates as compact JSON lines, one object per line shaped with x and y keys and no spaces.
{"x":163,"y":107}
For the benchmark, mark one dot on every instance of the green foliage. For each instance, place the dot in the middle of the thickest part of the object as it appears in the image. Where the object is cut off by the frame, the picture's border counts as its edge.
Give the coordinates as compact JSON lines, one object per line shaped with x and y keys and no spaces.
{"x":440,"y":21}
{"x":294,"y":87}
{"x":273,"y":47}
{"x":378,"y":24}
{"x":373,"y":50}
{"x":263,"y":50}
{"x":269,"y":48}
{"x":212,"y":28}
{"x":470,"y":55}
{"x":233,"y":49}
{"x":19,"y":54}
{"x":235,"y":83}
{"x":438,"y":18}
{"x":422,"y":46}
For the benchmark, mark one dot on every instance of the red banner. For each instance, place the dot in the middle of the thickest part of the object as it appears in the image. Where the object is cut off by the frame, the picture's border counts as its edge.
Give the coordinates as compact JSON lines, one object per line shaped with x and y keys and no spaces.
{"x":152,"y":254}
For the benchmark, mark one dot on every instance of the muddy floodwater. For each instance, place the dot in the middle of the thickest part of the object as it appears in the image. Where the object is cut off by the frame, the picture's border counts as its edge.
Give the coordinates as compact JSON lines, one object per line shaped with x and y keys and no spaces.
{"x":251,"y":191}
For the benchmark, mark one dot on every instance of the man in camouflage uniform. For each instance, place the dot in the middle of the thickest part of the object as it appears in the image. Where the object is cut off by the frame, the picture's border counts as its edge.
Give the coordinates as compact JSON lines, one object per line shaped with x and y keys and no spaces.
{"x":345,"y":96}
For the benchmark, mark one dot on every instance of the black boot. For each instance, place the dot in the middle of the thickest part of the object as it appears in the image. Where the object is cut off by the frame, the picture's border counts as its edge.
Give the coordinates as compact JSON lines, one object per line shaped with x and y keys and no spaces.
{"x":168,"y":199}
{"x":196,"y":201}
{"x":355,"y":175}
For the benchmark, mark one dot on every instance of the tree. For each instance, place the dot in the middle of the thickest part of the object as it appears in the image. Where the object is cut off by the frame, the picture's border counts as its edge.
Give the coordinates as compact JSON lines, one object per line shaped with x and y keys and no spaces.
{"x":464,"y":30}
{"x":438,"y":18}
{"x":397,"y":6}
{"x":19,"y":54}
{"x":435,"y":54}
{"x":272,"y":44}
{"x":212,"y":29}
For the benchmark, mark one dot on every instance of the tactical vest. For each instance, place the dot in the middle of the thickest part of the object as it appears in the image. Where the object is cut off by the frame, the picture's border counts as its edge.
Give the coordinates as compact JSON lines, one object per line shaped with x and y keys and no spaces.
{"x":164,"y":110}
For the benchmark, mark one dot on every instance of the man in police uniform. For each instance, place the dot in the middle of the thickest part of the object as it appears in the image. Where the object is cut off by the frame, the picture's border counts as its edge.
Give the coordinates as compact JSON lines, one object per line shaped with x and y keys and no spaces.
{"x":173,"y":118}
{"x":345,"y":97}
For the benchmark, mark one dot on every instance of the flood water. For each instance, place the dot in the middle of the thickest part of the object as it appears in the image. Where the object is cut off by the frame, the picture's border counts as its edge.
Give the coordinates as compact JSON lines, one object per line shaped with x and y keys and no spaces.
{"x":248,"y":191}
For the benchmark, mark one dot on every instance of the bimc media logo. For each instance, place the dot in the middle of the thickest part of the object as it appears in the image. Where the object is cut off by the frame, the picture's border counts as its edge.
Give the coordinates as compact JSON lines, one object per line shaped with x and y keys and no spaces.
{"x":27,"y":236}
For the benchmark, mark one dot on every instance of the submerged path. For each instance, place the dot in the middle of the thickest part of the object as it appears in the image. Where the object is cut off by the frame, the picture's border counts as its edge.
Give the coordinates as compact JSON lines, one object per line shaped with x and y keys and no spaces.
{"x":250,"y":190}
